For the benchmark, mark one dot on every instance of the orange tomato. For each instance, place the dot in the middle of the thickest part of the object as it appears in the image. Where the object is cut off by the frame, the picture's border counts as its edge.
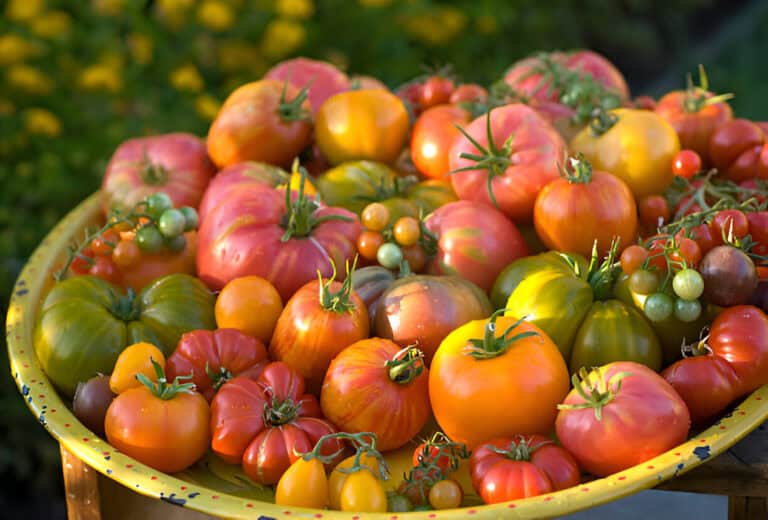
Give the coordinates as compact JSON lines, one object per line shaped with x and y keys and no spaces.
{"x":149,"y":267}
{"x":135,"y":359}
{"x":250,"y":304}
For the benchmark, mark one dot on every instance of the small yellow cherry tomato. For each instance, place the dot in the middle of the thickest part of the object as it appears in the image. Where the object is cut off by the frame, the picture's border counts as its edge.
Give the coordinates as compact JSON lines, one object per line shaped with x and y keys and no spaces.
{"x":375,"y":216}
{"x":406,"y":231}
{"x":446,"y":494}
{"x":135,"y":359}
{"x":337,"y":478}
{"x":304,"y":484}
{"x":362,"y":492}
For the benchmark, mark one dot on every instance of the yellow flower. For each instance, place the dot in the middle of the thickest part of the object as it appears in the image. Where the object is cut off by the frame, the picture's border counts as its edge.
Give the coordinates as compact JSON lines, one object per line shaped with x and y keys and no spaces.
{"x":108,"y":7}
{"x":437,"y":27}
{"x":101,"y":77}
{"x":486,"y":24}
{"x":15,"y":49}
{"x":187,"y":79}
{"x":235,"y":55}
{"x":52,"y":24}
{"x":300,"y":9}
{"x":174,"y":12}
{"x":40,"y":121}
{"x":140,"y":47}
{"x":6,"y":107}
{"x":29,"y":79}
{"x":374,"y":3}
{"x":23,"y":10}
{"x":215,"y":15}
{"x":207,"y":106}
{"x":282,"y":37}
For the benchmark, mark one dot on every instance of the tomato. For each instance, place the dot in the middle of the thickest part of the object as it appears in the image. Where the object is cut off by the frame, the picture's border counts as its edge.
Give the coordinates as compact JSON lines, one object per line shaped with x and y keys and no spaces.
{"x":303,"y":484}
{"x":446,"y":494}
{"x":633,"y":416}
{"x":165,"y":426}
{"x":318,"y":322}
{"x":740,"y":336}
{"x":638,"y":148}
{"x":521,"y":150}
{"x":707,"y":383}
{"x":474,"y":241}
{"x":465,"y":378}
{"x":126,"y":254}
{"x":338,"y":476}
{"x":82,"y":262}
{"x":469,"y":93}
{"x":259,"y":232}
{"x":374,"y":386}
{"x":361,"y":81}
{"x":263,"y":120}
{"x":415,"y":256}
{"x":738,"y":149}
{"x":214,"y":357}
{"x":267,"y":423}
{"x":410,"y":94}
{"x":632,"y":258}
{"x":135,"y":359}
{"x":91,"y":401}
{"x":84,"y":323}
{"x":644,"y":281}
{"x":362,"y":124}
{"x":688,"y":284}
{"x":251,"y":305}
{"x":436,"y":90}
{"x":688,"y":251}
{"x":321,"y":79}
{"x":369,"y":284}
{"x":176,"y":164}
{"x":432,"y":137}
{"x":579,"y":197}
{"x":729,"y":221}
{"x":422,"y":310}
{"x":103,"y":244}
{"x":103,"y":267}
{"x":654,"y":211}
{"x":151,"y":266}
{"x":368,"y":244}
{"x":513,"y":479}
{"x":375,"y":216}
{"x":686,"y":164}
{"x":406,"y":231}
{"x":758,"y":227}
{"x":363,"y":492}
{"x":729,"y":275}
{"x":703,"y":236}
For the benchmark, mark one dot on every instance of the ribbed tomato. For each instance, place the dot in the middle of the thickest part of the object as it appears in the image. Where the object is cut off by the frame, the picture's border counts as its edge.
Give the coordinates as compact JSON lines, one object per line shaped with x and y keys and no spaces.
{"x":322,"y":79}
{"x":432,"y":137}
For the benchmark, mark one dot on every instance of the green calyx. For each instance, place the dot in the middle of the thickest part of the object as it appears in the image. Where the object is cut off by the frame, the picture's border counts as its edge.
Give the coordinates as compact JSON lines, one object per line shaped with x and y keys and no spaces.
{"x":123,"y":307}
{"x":520,"y":450}
{"x":152,"y":173}
{"x":577,"y":170}
{"x":602,"y":275}
{"x":595,"y":390}
{"x":293,"y":110}
{"x":279,"y":412}
{"x":162,"y":389}
{"x":405,"y":366}
{"x":219,"y":377}
{"x":698,"y":96}
{"x":602,"y":121}
{"x":341,"y":300}
{"x":490,"y":345}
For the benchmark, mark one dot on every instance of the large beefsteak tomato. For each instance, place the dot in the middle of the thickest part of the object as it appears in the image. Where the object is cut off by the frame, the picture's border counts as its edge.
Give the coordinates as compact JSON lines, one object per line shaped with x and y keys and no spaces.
{"x":739,"y":150}
{"x":321,"y":79}
{"x":432,"y":137}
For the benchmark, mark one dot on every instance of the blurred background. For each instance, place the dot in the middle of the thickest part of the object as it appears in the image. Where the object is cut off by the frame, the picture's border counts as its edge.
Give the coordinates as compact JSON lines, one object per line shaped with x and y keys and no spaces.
{"x":77,"y":77}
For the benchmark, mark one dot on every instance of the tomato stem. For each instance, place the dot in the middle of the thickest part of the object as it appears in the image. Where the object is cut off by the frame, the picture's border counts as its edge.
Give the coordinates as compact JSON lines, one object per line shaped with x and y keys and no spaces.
{"x":162,"y":389}
{"x":364,"y":444}
{"x":577,"y":170}
{"x":491,"y":345}
{"x":595,"y":391}
{"x":277,"y":412}
{"x":153,"y":174}
{"x":341,"y":300}
{"x":293,"y":110}
{"x":123,"y":307}
{"x":405,"y":366}
{"x":602,"y":276}
{"x":698,"y":96}
{"x":602,"y":121}
{"x":220,"y":377}
{"x":520,"y":450}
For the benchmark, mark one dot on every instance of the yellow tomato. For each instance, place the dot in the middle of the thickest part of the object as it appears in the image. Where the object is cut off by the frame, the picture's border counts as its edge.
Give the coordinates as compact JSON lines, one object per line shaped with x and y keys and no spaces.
{"x":638,"y":148}
{"x":304,"y":484}
{"x":337,"y":478}
{"x":362,"y":492}
{"x":135,"y":359}
{"x":362,"y":124}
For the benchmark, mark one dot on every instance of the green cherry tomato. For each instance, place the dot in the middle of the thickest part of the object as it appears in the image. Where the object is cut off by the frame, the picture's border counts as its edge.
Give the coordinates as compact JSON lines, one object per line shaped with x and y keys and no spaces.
{"x":397,"y":503}
{"x":688,"y":284}
{"x":175,"y":244}
{"x":658,"y":307}
{"x":643,"y":281}
{"x":157,"y":203}
{"x":191,"y":218}
{"x":389,"y":255}
{"x":149,"y":239}
{"x":687,"y":310}
{"x":171,"y":223}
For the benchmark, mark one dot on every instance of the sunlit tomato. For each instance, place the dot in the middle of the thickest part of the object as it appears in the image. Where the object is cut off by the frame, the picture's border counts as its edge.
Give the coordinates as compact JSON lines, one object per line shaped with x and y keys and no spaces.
{"x":738,"y":149}
{"x":303,"y":484}
{"x":135,"y":359}
{"x":432,"y":137}
{"x":151,"y":266}
{"x":525,"y":150}
{"x":362,"y":492}
{"x":261,"y":121}
{"x":374,"y":386}
{"x":251,"y":305}
{"x":375,"y":216}
{"x":126,"y":253}
{"x":406,"y":231}
{"x":362,"y":124}
{"x":368,"y":244}
{"x":446,"y":494}
{"x":654,"y":211}
{"x":686,"y":164}
{"x":512,"y":479}
{"x":322,"y":79}
{"x":338,"y":476}
{"x":436,"y":90}
{"x":469,"y":93}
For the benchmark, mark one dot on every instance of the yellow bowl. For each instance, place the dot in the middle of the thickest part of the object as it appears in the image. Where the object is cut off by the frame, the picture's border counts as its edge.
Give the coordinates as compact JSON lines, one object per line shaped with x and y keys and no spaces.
{"x":219,"y":489}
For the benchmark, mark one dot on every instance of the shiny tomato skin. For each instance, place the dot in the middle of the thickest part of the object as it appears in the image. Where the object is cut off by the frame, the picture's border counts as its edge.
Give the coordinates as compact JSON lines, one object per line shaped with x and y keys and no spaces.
{"x":308,"y":336}
{"x":758,"y":226}
{"x":432,"y":137}
{"x":536,"y":149}
{"x":727,"y":221}
{"x":511,"y":480}
{"x":469,"y":92}
{"x":151,"y":266}
{"x":738,"y":150}
{"x":436,"y":90}
{"x":475,"y":241}
{"x":562,"y":204}
{"x":645,"y":418}
{"x":321,"y":78}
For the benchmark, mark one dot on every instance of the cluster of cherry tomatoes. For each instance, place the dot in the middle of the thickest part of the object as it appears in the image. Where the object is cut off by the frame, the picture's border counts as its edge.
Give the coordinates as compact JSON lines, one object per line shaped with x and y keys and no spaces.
{"x":391,"y":241}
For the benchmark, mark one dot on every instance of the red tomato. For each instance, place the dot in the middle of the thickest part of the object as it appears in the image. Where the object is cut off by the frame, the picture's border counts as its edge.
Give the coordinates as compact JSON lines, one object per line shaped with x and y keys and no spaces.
{"x":738,"y":149}
{"x":268,"y":423}
{"x":690,"y":251}
{"x":686,"y":164}
{"x":757,"y":191}
{"x":322,"y":79}
{"x":512,"y":479}
{"x":374,"y":386}
{"x":432,"y":137}
{"x":526,"y":150}
{"x":653,"y":210}
{"x":436,"y":90}
{"x":176,"y":164}
{"x":703,"y":236}
{"x":104,"y":244}
{"x":644,"y":103}
{"x":707,"y":384}
{"x":758,"y":227}
{"x":627,"y":425}
{"x":367,"y":82}
{"x":410,"y":93}
{"x":469,"y":93}
{"x":475,"y":241}
{"x":105,"y":268}
{"x":81,"y":264}
{"x":740,"y":336}
{"x":213,"y":357}
{"x":726,"y":221}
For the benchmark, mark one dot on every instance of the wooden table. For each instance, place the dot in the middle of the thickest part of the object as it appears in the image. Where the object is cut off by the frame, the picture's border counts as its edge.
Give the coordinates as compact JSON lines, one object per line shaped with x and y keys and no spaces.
{"x":741,"y":473}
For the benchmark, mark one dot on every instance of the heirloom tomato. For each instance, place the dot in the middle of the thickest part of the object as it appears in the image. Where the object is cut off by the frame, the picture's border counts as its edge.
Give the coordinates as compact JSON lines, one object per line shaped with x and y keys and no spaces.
{"x":729,"y":276}
{"x":264,"y":120}
{"x":268,"y":423}
{"x":432,"y":137}
{"x":363,"y":492}
{"x":420,"y":310}
{"x":436,"y":90}
{"x":175,"y":164}
{"x":637,"y":146}
{"x":494,"y":378}
{"x":213,"y":357}
{"x":376,"y":386}
{"x":469,"y":93}
{"x":303,"y":484}
{"x":738,"y":149}
{"x":474,"y":241}
{"x":251,"y":305}
{"x":572,"y":213}
{"x":319,"y":321}
{"x":91,"y":401}
{"x":321,"y":79}
{"x":84,"y":323}
{"x":369,"y":283}
{"x":619,"y":415}
{"x":504,"y":158}
{"x":362,"y":124}
{"x":135,"y":359}
{"x":338,"y":476}
{"x":283,"y":237}
{"x":151,"y":266}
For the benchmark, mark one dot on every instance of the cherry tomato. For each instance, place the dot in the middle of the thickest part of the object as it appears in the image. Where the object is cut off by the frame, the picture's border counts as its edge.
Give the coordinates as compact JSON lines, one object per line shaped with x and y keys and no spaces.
{"x":375,"y":216}
{"x":688,"y":284}
{"x":171,"y":223}
{"x":686,"y":164}
{"x":658,"y":307}
{"x":81,"y":264}
{"x":191,"y":218}
{"x":126,"y":253}
{"x":632,"y":258}
{"x":758,"y":227}
{"x":406,"y":231}
{"x":91,"y":401}
{"x":727,"y":220}
{"x":103,"y":245}
{"x":643,"y":281}
{"x":303,"y":484}
{"x":704,"y":237}
{"x":687,"y":311}
{"x":654,"y":211}
{"x":157,"y":203}
{"x":389,"y":255}
{"x":443,"y":462}
{"x":362,"y":492}
{"x":469,"y":92}
{"x":105,"y":268}
{"x":446,"y":494}
{"x":415,"y":256}
{"x":250,"y":304}
{"x":689,"y":251}
{"x":149,"y":239}
{"x":368,"y":244}
{"x":338,"y":477}
{"x":135,"y":359}
{"x":436,"y":90}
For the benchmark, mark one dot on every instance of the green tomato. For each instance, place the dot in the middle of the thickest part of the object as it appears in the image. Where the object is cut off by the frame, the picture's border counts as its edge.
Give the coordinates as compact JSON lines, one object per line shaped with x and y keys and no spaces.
{"x":688,"y":285}
{"x":176,"y":244}
{"x":397,"y":503}
{"x":389,"y":255}
{"x":171,"y":223}
{"x":157,"y":203}
{"x":149,"y":239}
{"x":687,"y":310}
{"x":191,"y":218}
{"x":643,"y":281}
{"x":658,"y":307}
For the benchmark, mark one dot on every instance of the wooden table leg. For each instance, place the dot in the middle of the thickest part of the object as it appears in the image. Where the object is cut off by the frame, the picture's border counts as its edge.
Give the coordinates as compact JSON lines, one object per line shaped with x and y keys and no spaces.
{"x":747,"y":508}
{"x":81,"y":485}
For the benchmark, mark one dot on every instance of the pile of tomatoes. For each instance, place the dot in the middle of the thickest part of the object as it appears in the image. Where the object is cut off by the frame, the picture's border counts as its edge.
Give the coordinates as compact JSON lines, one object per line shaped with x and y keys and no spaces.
{"x":497,"y":280}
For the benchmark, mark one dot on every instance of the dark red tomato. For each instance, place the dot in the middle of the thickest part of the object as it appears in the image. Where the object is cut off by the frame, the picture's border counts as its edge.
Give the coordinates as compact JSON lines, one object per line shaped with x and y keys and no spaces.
{"x":756,"y":190}
{"x":702,"y":234}
{"x":527,"y":149}
{"x":726,"y":221}
{"x":443,"y":462}
{"x":436,"y":90}
{"x":707,"y":384}
{"x":432,"y":137}
{"x":474,"y":241}
{"x":644,"y":103}
{"x":758,"y":227}
{"x":410,"y":93}
{"x":653,"y":211}
{"x":469,"y":93}
{"x":738,"y":149}
{"x":740,"y":336}
{"x":213,"y":357}
{"x":82,"y":262}
{"x":689,"y":250}
{"x":323,"y":79}
{"x":105,"y":268}
{"x":686,"y":164}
